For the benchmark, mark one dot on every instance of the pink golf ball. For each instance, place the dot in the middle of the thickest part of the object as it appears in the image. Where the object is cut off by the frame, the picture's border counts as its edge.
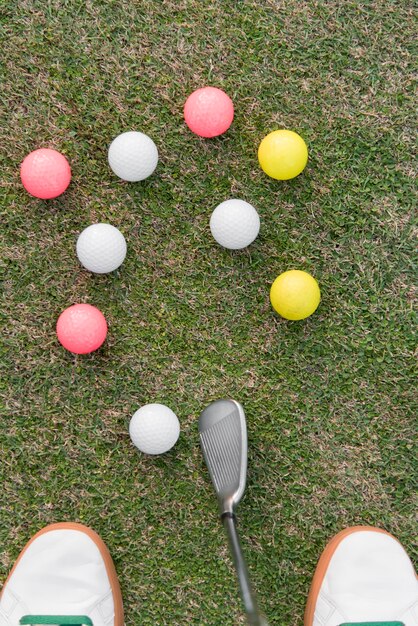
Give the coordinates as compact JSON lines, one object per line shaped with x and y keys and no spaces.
{"x":81,"y":328}
{"x":45,"y":173}
{"x":208,"y":112}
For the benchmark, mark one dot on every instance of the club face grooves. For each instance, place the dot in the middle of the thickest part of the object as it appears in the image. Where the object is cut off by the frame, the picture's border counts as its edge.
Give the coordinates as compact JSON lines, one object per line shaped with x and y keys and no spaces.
{"x":223,"y":437}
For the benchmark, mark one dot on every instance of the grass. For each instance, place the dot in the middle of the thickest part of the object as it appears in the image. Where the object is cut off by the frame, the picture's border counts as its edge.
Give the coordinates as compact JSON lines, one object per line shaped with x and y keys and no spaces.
{"x":329,"y":401}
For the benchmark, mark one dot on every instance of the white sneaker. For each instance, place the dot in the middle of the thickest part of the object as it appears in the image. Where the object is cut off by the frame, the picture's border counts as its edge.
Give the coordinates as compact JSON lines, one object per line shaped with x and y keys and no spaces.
{"x":64,"y":576}
{"x":364,"y":578}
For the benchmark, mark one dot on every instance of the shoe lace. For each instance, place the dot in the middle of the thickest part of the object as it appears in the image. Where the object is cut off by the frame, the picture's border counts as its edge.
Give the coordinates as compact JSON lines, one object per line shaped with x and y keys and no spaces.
{"x":56,"y":620}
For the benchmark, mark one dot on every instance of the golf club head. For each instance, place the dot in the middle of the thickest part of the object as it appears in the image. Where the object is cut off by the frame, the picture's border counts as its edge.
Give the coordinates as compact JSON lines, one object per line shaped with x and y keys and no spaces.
{"x":223,"y":438}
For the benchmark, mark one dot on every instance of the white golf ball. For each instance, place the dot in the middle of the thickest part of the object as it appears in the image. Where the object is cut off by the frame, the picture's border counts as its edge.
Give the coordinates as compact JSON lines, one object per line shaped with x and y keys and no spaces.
{"x":154,"y":428}
{"x":133,"y":156}
{"x":235,"y":224}
{"x":101,"y":248}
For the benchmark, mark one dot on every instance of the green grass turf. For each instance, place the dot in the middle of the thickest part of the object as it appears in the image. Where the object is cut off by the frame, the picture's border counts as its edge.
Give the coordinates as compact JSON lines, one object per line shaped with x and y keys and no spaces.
{"x":328,"y":400}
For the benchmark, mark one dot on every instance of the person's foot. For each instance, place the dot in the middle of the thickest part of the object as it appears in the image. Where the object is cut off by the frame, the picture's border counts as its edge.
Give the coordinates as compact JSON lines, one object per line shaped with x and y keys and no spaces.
{"x":364,"y":578}
{"x":65,"y":575}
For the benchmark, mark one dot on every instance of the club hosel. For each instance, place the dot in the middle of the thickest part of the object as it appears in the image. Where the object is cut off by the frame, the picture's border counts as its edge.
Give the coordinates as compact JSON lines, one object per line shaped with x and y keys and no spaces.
{"x":226,"y":507}
{"x":228,"y":515}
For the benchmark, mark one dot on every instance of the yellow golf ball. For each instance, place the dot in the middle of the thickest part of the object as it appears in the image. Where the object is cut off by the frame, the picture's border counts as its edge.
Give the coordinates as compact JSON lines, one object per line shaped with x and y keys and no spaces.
{"x":283,"y":154}
{"x":295,"y":295}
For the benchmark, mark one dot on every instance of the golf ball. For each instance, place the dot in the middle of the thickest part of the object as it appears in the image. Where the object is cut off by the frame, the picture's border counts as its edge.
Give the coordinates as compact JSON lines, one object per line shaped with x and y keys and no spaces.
{"x":208,"y":112}
{"x":101,"y":248}
{"x":154,"y":428}
{"x":295,"y":295}
{"x":234,"y":224}
{"x":45,"y":173}
{"x":81,"y":328}
{"x":133,"y":156}
{"x":283,"y":154}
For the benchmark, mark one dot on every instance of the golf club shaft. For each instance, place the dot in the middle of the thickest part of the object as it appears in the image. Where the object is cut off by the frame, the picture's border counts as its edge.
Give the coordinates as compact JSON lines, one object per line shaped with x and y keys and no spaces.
{"x":254,"y":617}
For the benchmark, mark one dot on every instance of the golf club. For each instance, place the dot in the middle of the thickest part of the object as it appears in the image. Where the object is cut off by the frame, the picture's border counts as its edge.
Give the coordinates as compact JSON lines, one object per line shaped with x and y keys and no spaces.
{"x":223,"y":438}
